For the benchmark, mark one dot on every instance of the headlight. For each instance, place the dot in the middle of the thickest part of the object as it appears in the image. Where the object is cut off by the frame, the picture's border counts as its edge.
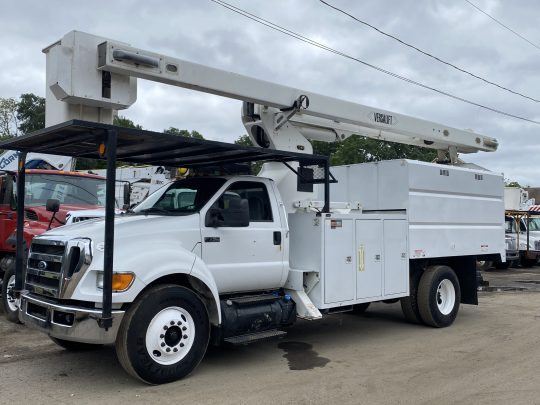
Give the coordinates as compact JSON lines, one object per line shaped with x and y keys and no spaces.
{"x":121,"y":281}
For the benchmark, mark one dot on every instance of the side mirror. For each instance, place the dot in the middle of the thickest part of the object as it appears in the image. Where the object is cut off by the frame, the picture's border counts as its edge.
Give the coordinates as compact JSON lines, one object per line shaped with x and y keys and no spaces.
{"x":214,"y":218}
{"x":236,"y":215}
{"x":53,"y":205}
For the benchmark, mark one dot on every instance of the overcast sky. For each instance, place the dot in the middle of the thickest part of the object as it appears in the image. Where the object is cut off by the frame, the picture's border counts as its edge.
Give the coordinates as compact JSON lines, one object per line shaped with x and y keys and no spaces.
{"x":203,"y":32}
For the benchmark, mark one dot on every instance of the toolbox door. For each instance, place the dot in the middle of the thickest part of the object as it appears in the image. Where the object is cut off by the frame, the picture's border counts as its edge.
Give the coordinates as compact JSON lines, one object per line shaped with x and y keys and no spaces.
{"x":369,"y":275}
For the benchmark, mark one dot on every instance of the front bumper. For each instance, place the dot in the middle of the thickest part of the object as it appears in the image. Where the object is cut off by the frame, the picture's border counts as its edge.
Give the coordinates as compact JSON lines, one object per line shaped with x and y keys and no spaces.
{"x":67,"y":322}
{"x":512,"y":255}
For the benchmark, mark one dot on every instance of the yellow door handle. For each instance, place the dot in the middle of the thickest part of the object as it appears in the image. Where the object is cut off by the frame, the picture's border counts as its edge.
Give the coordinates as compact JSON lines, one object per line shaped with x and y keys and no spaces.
{"x":361,"y":259}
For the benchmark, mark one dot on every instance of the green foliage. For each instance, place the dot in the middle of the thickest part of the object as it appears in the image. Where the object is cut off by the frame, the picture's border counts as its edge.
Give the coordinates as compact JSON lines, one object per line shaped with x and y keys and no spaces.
{"x":357,"y":149}
{"x":324,"y":148}
{"x":31,"y":113}
{"x":183,"y":132}
{"x":96,"y":164}
{"x":244,"y":140}
{"x":124,"y":122}
{"x":8,"y":118}
{"x":508,"y":183}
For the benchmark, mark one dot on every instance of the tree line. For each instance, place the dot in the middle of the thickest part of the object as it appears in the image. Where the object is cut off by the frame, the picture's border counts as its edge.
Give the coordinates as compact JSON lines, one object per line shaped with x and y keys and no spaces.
{"x":27,"y":114}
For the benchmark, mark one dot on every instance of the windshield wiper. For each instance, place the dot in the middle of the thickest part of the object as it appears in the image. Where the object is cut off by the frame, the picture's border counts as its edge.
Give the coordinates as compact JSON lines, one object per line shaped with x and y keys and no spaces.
{"x":156,"y":210}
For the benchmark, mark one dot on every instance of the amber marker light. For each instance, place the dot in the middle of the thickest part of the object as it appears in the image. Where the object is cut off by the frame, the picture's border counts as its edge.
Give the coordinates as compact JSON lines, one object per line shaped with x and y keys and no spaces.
{"x":120,"y":281}
{"x":102,"y":149}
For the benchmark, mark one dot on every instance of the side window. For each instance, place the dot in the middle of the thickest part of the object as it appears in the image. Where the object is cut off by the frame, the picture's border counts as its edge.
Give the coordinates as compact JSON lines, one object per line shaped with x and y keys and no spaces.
{"x":257,"y":196}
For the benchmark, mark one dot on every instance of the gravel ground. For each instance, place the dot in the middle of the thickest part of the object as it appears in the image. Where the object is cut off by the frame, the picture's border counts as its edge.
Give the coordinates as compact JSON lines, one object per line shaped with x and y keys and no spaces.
{"x":490,"y":355}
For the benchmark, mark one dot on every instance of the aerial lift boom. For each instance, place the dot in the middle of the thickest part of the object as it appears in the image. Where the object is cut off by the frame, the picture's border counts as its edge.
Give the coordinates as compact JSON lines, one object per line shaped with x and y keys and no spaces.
{"x":276,"y":116}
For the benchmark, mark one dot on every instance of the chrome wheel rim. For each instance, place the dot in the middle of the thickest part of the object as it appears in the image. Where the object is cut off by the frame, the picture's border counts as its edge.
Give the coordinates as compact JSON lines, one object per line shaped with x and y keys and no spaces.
{"x":446,"y":296}
{"x":12,"y":302}
{"x":170,"y":335}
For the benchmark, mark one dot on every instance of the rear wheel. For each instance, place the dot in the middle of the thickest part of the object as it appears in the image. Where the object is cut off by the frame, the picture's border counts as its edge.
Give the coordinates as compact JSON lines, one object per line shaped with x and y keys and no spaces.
{"x":409,"y":305}
{"x":484,"y":265}
{"x":529,"y":262}
{"x":10,"y":303}
{"x":439,"y":296}
{"x":164,"y":335}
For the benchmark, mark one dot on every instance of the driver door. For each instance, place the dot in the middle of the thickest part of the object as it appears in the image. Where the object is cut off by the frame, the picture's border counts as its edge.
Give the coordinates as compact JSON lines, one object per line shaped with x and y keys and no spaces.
{"x":250,"y":257}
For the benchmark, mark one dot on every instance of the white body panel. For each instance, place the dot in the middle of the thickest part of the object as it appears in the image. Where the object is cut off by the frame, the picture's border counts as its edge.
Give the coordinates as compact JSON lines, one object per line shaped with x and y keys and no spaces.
{"x":74,"y":85}
{"x":517,"y":199}
{"x":350,"y":258}
{"x":9,"y":160}
{"x":452,"y":211}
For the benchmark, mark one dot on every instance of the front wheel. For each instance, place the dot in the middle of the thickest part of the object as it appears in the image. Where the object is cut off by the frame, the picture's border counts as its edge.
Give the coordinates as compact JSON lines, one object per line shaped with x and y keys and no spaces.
{"x":164,"y":335}
{"x":11,"y":304}
{"x":439,"y":296}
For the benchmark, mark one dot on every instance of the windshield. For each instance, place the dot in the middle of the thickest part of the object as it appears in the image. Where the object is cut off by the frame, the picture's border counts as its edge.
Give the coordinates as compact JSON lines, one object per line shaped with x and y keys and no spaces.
{"x":534,"y":224}
{"x":70,"y":190}
{"x":183,"y":197}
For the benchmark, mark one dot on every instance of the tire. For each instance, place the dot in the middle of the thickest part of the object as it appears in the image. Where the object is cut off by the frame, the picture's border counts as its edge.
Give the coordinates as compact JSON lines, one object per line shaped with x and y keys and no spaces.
{"x":439,"y":296}
{"x":483,"y":265}
{"x":164,"y":335}
{"x":360,"y":308}
{"x":75,"y":346}
{"x":529,"y":262}
{"x":10,"y":304}
{"x":503,"y":265}
{"x":409,"y":305}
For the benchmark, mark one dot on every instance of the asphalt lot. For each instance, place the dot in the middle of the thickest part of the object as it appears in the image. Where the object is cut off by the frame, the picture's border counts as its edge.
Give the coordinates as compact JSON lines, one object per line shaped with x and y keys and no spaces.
{"x":490,"y":355}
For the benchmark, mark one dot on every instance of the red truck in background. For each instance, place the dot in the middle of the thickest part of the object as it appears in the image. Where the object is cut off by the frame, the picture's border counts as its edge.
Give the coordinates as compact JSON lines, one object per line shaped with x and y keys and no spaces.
{"x":74,"y":191}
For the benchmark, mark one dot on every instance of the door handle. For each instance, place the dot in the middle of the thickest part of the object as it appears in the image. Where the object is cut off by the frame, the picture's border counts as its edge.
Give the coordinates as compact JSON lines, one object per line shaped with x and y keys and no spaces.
{"x":211,"y":239}
{"x":277,"y":237}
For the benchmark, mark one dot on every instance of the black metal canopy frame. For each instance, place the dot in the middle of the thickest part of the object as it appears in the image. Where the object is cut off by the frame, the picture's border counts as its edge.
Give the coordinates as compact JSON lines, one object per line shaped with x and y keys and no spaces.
{"x":82,"y":139}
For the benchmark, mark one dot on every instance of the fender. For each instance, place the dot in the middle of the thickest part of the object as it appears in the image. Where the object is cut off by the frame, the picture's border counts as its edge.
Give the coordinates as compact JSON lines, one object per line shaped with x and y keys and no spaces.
{"x":146,"y":260}
{"x":201,"y":272}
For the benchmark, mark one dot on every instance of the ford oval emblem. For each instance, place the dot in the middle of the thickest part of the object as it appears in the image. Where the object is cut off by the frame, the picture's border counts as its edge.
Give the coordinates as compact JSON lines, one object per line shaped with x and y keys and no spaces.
{"x":42,"y":265}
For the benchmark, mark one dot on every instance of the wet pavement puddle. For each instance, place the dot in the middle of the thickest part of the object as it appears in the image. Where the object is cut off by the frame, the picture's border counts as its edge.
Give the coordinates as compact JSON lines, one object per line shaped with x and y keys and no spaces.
{"x":301,"y":356}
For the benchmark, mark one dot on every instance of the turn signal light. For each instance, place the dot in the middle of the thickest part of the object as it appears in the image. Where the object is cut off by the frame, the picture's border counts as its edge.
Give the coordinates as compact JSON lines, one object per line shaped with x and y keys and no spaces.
{"x":120,"y":281}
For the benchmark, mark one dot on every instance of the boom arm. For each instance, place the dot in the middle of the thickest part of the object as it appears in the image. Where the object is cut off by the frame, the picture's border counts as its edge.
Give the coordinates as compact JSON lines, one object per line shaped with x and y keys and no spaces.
{"x":269,"y":110}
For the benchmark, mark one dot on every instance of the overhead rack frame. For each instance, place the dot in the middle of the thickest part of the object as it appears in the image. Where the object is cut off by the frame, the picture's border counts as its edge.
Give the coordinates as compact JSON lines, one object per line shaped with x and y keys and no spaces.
{"x":83,"y":139}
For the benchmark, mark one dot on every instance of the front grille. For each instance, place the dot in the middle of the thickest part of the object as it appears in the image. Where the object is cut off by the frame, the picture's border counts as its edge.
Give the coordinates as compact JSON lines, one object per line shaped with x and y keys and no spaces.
{"x":44,"y":270}
{"x":81,"y":219}
{"x":57,"y":250}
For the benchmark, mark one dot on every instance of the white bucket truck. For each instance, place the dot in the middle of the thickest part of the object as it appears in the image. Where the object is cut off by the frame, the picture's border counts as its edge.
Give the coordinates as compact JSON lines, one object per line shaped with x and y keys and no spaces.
{"x":237,"y":258}
{"x":522,"y":226}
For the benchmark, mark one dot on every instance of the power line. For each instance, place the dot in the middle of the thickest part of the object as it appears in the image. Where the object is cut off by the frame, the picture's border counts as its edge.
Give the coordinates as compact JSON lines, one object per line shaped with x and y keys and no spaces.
{"x":307,"y":40}
{"x":429,"y":54}
{"x":503,"y":25}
